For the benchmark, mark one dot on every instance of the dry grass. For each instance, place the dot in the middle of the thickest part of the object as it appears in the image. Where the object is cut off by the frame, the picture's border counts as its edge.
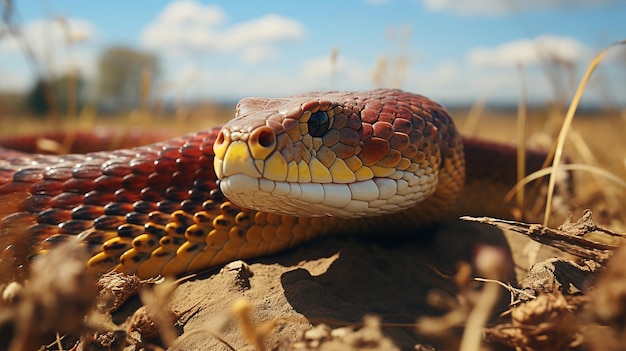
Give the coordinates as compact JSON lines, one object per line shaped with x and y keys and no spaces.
{"x":592,"y":134}
{"x":597,"y":131}
{"x":596,"y":139}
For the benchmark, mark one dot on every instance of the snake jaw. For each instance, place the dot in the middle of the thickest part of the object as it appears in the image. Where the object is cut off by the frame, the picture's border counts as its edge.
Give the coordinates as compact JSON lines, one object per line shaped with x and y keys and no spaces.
{"x":376,"y":196}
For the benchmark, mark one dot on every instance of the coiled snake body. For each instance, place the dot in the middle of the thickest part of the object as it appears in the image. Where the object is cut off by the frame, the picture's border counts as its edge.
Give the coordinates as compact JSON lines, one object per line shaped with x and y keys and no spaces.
{"x":281,"y":172}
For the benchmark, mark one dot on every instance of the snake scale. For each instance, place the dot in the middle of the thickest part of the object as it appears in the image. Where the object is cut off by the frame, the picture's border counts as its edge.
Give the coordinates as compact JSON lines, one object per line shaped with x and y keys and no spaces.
{"x":281,"y":172}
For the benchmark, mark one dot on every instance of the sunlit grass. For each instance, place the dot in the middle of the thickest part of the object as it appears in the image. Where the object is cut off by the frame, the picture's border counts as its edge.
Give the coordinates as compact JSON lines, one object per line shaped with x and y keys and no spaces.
{"x":596,"y":140}
{"x":558,"y":155}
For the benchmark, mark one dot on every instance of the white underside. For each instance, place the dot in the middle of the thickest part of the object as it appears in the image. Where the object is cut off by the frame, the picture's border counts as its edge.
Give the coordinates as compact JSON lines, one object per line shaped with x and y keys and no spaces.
{"x":362,"y":198}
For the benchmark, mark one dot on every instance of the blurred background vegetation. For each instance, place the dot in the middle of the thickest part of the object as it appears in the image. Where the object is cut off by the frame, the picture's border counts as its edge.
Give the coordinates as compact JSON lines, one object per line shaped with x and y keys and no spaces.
{"x":129,"y":82}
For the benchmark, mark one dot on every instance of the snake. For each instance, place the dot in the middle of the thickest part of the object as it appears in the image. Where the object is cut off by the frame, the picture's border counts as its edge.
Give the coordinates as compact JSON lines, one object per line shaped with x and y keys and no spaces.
{"x":281,"y":172}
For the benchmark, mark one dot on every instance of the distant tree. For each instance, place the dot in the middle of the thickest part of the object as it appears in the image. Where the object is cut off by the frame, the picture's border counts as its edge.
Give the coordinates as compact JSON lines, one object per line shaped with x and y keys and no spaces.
{"x":37,"y":100}
{"x":120,"y":71}
{"x":53,"y":96}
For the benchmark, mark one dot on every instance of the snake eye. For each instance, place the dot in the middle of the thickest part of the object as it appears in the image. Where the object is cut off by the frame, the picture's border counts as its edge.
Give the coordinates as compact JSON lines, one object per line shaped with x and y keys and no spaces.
{"x":318,"y":124}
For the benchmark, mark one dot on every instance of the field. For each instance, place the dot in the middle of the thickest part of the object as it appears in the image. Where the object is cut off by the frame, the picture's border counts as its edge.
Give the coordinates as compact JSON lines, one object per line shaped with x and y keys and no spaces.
{"x":434,"y":290}
{"x":321,"y":278}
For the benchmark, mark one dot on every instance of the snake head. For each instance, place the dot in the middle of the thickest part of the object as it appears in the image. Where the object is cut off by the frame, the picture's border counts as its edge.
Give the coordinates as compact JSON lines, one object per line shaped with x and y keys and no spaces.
{"x":339,"y":154}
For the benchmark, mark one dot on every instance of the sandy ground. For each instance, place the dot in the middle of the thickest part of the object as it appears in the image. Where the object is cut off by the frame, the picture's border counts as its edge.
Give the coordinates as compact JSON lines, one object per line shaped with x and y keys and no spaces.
{"x":339,"y":280}
{"x":294,"y":298}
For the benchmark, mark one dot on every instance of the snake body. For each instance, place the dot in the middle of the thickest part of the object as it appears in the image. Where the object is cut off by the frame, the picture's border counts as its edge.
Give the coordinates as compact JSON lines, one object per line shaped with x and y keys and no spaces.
{"x":281,"y":172}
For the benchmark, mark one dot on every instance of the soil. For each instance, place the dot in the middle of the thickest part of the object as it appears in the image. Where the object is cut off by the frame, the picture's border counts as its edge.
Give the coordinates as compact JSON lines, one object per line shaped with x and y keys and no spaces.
{"x":338,"y":281}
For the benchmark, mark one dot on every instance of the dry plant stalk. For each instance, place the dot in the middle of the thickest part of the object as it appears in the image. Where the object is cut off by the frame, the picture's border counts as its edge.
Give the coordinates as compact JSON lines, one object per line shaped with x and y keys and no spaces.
{"x":253,"y":332}
{"x":470,"y":310}
{"x":156,"y":319}
{"x":567,"y":238}
{"x":54,"y":300}
{"x":566,"y":126}
{"x":521,"y":137}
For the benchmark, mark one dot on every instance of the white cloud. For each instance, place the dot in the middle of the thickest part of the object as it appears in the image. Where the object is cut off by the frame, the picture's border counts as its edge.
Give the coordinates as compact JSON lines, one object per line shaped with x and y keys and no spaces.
{"x":553,"y":66}
{"x":500,"y":7}
{"x":344,"y":74}
{"x":196,"y":82}
{"x":267,"y":29}
{"x":542,"y":49}
{"x":191,"y":13}
{"x":449,"y":81}
{"x":446,"y":71}
{"x":199,"y":80}
{"x":491,"y":73}
{"x":259,"y":53}
{"x":13,"y":79}
{"x":183,"y":25}
{"x":43,"y":34}
{"x":187,"y":26}
{"x":314,"y":68}
{"x":59,"y":45}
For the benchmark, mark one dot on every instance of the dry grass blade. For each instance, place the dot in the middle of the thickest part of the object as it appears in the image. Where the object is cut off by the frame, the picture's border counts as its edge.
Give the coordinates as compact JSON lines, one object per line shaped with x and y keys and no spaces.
{"x":568,"y":167}
{"x":609,"y":193}
{"x":521,"y":137}
{"x":489,"y":263}
{"x":54,"y":300}
{"x":154,"y":300}
{"x":567,"y":123}
{"x":469,"y":127}
{"x":255,"y":333}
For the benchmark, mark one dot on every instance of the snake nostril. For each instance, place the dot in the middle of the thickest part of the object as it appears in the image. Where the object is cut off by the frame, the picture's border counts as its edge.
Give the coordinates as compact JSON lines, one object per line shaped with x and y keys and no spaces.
{"x":266,"y":137}
{"x":221,"y":144}
{"x":220,"y":138}
{"x":262,"y":142}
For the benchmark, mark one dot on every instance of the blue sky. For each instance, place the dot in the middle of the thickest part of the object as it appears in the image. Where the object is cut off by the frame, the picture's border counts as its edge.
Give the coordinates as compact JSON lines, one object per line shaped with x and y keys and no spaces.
{"x":455,"y":51}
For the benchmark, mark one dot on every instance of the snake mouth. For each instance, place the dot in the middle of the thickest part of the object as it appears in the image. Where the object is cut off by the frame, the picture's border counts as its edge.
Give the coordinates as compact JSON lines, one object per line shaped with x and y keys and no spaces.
{"x":371,"y":197}
{"x":277,"y":186}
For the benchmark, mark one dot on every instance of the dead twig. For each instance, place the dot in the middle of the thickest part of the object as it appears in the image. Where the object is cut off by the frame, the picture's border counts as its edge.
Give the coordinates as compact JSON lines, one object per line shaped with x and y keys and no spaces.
{"x":567,"y":238}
